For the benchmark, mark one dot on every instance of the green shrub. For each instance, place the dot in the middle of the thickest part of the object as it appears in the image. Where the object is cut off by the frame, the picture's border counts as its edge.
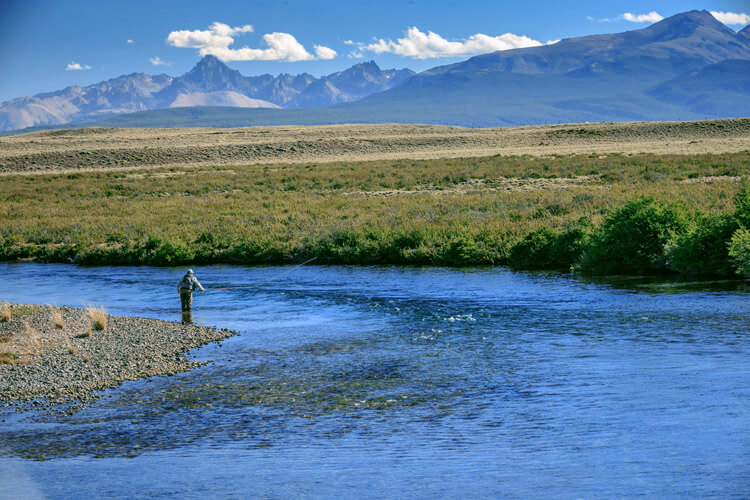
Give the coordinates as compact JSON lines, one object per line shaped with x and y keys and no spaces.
{"x":742,"y":205}
{"x":350,"y":247}
{"x":546,"y":249}
{"x":633,"y":239}
{"x":739,"y":251}
{"x":534,"y":251}
{"x":460,"y":250}
{"x":260,"y":251}
{"x":703,"y":252}
{"x":571,"y":243}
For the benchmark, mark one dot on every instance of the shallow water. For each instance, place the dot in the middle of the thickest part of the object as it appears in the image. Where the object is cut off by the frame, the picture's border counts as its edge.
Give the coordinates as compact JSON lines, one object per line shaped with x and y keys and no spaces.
{"x":349,"y":382}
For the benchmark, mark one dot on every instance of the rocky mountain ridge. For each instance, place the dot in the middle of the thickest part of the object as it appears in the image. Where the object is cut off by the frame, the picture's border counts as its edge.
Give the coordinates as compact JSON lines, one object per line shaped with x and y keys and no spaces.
{"x":209,"y":83}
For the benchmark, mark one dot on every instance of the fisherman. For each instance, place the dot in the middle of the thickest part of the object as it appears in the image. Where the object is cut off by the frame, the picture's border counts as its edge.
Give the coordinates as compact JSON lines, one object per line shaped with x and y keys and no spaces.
{"x":185,"y":288}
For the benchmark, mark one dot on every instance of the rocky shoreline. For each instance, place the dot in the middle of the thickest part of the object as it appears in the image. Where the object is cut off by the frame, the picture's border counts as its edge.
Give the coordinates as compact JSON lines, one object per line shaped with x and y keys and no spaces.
{"x":43,"y":364}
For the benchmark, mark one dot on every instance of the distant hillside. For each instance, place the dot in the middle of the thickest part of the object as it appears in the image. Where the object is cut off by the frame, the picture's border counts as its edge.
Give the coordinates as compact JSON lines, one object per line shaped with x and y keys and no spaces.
{"x":721,"y":89}
{"x":209,"y":83}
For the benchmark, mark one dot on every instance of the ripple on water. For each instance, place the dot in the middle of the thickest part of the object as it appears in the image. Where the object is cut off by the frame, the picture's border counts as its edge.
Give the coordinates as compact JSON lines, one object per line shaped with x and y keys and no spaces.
{"x":482,"y":382}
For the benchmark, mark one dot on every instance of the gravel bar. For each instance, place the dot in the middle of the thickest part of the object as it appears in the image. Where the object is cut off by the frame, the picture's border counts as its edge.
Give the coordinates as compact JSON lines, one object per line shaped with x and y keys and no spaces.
{"x":44,"y":365}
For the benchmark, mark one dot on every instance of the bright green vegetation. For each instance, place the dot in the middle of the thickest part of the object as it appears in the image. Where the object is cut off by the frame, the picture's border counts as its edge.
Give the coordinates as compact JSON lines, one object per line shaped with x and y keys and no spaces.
{"x":739,"y":251}
{"x":603,"y":214}
{"x":644,"y":237}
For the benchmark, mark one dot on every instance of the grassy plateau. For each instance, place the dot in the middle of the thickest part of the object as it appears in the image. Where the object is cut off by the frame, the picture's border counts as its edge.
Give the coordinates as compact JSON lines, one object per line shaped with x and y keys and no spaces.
{"x":603,"y":213}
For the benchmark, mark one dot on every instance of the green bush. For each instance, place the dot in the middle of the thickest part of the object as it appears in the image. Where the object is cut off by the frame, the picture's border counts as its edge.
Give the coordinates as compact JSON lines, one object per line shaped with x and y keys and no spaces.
{"x":546,"y":249}
{"x":571,"y":243}
{"x":349,"y":247}
{"x":633,"y":239}
{"x":739,"y":251}
{"x":703,"y":252}
{"x":742,"y":205}
{"x":534,"y":251}
{"x":460,"y":250}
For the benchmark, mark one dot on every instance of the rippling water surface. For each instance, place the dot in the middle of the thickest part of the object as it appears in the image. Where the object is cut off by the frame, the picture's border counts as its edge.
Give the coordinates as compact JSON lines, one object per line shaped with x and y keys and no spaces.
{"x":404,"y":383}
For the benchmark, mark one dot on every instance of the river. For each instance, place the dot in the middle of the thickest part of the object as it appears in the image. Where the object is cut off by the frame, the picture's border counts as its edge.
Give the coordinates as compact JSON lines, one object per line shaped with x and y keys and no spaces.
{"x":388,"y":382}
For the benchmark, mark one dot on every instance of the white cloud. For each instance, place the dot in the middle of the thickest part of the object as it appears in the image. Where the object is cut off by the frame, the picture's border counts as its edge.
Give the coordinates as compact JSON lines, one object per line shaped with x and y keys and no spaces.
{"x":431,"y":45}
{"x":651,"y":17}
{"x":733,"y":18}
{"x":156,"y":61}
{"x":324,"y":52}
{"x":217,"y":39}
{"x":218,"y":35}
{"x":74,"y":66}
{"x":130,"y":41}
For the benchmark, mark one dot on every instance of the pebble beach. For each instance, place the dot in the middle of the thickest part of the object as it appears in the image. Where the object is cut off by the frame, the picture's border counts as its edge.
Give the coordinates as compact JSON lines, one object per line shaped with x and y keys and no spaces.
{"x":54,"y":356}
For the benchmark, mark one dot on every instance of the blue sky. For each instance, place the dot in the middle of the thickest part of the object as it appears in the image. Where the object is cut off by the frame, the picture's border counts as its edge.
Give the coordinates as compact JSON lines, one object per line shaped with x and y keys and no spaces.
{"x":48,"y":45}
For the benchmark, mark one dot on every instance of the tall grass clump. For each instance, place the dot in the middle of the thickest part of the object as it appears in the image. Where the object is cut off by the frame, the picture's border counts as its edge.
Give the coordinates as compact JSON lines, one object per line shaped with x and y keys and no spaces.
{"x":71,"y":348}
{"x":31,"y":335}
{"x":635,"y":239}
{"x":5,"y":314}
{"x":98,"y":315}
{"x":57,"y":318}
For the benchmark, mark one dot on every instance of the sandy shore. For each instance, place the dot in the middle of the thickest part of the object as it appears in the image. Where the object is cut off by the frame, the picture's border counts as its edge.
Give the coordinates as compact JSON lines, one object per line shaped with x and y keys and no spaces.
{"x":44,"y":365}
{"x":131,"y":149}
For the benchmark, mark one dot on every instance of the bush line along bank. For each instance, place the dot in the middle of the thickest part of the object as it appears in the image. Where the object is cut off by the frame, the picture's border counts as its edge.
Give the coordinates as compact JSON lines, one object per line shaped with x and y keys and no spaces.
{"x":646,"y":237}
{"x":601,"y":214}
{"x":643,"y":237}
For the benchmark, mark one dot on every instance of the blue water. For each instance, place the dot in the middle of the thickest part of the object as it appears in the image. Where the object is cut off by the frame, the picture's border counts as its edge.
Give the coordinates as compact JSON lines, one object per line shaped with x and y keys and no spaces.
{"x":350,"y":382}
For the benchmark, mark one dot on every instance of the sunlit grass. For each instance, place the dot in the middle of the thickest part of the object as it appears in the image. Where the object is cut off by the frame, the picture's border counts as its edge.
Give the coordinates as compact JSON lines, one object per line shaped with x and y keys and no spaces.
{"x":98,"y":315}
{"x":5,"y":314}
{"x":71,"y":348}
{"x":8,"y":358}
{"x":57,"y":318}
{"x":31,"y":335}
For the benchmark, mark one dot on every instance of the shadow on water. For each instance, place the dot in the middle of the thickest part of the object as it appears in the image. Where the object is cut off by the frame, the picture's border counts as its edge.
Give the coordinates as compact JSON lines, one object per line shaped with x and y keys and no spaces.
{"x":261,"y":398}
{"x":668,"y":284}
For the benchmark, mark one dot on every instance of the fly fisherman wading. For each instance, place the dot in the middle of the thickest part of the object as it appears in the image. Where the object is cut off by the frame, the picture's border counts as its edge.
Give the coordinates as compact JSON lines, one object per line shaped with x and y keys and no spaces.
{"x":185,"y":287}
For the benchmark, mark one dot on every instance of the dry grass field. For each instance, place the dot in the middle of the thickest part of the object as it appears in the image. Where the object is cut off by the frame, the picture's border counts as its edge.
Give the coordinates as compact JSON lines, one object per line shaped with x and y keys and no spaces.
{"x":100,"y":148}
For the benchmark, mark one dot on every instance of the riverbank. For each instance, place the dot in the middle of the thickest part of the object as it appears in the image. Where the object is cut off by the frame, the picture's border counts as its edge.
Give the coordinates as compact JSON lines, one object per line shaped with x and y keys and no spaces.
{"x":450,"y":212}
{"x":53,"y":356}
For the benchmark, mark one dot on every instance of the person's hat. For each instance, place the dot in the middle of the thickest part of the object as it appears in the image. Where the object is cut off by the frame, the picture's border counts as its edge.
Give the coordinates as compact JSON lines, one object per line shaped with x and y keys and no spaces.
{"x":190,"y":271}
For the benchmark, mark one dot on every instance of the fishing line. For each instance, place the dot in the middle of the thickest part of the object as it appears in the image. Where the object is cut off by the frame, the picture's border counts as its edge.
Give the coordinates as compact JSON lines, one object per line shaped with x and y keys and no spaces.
{"x":263,"y":282}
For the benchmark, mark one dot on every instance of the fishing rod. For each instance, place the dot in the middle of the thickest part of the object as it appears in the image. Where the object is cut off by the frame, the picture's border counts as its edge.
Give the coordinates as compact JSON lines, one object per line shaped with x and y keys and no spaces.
{"x":263,"y":281}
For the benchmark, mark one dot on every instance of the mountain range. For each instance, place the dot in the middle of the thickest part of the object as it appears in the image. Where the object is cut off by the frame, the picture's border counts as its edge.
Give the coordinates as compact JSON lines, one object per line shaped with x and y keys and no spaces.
{"x":655,"y":73}
{"x":686,"y":67}
{"x":209,"y":83}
